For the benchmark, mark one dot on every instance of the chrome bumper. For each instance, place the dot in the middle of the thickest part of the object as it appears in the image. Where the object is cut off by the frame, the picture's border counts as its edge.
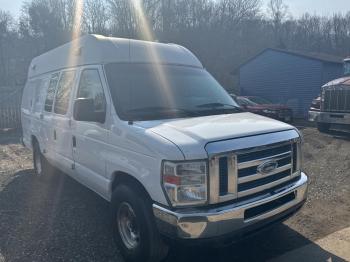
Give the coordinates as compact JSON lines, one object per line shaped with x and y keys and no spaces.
{"x":334,"y":118}
{"x":220,"y":221}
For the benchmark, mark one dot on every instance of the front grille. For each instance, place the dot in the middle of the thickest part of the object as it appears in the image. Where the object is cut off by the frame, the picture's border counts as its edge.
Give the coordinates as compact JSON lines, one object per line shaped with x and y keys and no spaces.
{"x":250,"y":180}
{"x":241,"y":173}
{"x":336,"y":99}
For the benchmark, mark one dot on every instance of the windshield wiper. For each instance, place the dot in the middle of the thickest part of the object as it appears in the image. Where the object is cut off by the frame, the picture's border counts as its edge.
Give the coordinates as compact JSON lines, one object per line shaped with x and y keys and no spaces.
{"x":216,"y":105}
{"x":219,"y":106}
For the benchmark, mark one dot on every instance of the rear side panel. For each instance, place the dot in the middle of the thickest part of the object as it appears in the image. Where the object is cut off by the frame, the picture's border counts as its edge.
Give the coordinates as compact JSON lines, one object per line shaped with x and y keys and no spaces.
{"x":26,"y":111}
{"x":33,"y":100}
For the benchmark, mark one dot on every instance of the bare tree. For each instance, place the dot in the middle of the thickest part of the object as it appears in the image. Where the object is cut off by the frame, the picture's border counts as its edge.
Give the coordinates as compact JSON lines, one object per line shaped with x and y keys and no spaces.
{"x":96,"y":16}
{"x":278,"y":12}
{"x":6,"y":23}
{"x":222,"y":33}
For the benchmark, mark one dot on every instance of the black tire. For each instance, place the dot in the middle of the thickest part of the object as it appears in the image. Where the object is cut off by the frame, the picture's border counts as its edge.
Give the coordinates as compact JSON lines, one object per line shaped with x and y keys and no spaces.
{"x":149,"y":246}
{"x":323,"y":127}
{"x":41,"y":166}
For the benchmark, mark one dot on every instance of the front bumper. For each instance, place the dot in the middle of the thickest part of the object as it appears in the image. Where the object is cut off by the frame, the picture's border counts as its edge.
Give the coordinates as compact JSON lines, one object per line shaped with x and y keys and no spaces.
{"x":334,"y":118}
{"x":224,"y":220}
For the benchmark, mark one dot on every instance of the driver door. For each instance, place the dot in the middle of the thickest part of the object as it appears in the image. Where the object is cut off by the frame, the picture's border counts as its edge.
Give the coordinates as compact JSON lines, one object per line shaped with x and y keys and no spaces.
{"x":89,"y":139}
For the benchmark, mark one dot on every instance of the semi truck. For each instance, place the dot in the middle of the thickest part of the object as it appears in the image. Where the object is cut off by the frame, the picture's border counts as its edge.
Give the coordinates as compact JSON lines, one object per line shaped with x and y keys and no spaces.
{"x":332,"y":108}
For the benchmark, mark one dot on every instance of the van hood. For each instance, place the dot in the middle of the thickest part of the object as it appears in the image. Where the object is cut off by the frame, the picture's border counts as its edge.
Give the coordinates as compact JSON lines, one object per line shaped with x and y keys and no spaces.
{"x":191,"y":135}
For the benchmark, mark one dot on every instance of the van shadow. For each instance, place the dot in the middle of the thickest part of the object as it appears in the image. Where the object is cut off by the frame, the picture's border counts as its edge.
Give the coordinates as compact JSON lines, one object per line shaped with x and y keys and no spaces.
{"x":267,"y":245}
{"x":56,"y":219}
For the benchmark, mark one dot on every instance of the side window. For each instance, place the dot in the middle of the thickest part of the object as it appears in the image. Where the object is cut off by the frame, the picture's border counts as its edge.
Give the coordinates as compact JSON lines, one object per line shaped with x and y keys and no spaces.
{"x":40,"y":87}
{"x":90,"y":86}
{"x":64,"y":89}
{"x":27,"y":98}
{"x":51,"y":92}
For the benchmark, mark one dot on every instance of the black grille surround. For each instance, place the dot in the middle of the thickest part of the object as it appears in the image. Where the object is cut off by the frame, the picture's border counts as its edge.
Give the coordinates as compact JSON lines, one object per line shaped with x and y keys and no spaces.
{"x":223,"y":171}
{"x":258,"y":210}
{"x":260,"y":182}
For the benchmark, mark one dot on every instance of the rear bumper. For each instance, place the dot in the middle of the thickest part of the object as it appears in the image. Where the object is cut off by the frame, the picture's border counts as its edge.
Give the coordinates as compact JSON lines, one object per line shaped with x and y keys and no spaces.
{"x":334,"y":118}
{"x":191,"y":224}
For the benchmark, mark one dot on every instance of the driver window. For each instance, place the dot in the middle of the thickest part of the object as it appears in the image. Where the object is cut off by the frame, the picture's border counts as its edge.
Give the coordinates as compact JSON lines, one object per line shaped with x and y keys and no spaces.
{"x":90,"y":86}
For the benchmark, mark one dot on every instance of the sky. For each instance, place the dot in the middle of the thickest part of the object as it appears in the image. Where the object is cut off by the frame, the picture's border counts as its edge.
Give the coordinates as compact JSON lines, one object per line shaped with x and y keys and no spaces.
{"x":296,"y":7}
{"x":320,"y":7}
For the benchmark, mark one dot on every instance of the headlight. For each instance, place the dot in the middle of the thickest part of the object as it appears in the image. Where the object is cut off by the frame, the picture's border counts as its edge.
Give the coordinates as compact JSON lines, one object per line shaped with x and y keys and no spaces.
{"x":185,"y":183}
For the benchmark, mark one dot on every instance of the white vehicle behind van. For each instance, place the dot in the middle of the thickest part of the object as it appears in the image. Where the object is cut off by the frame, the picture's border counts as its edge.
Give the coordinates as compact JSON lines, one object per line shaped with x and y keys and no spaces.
{"x":147,"y":128}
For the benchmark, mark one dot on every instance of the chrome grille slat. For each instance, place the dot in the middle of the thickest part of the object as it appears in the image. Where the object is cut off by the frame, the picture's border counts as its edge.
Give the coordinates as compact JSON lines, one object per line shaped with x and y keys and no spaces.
{"x":214,"y":180}
{"x":266,"y":186}
{"x":257,"y":176}
{"x":336,"y":99}
{"x":232,"y":175}
{"x":261,"y":160}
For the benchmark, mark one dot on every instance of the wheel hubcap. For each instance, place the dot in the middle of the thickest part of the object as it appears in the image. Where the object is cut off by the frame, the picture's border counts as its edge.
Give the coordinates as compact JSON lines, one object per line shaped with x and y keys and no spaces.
{"x":127,"y":226}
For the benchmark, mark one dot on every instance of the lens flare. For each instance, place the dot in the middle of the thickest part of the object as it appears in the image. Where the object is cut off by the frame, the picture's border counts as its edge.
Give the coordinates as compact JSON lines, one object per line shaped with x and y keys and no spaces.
{"x":77,"y":21}
{"x":146,"y":33}
{"x":74,"y":51}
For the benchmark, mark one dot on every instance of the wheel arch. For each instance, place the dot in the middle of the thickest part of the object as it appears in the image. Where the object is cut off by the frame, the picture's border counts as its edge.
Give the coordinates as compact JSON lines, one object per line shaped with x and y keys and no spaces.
{"x":33,"y":140}
{"x":124,"y":178}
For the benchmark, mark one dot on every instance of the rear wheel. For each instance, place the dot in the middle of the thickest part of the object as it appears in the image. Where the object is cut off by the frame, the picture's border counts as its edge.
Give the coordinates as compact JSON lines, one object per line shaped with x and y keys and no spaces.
{"x":134,"y":228}
{"x":41,"y":165}
{"x":323,"y":127}
{"x":37,"y":159}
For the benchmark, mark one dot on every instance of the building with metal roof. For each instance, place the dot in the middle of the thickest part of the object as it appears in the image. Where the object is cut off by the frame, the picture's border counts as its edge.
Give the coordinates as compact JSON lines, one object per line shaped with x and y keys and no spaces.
{"x":288,"y":77}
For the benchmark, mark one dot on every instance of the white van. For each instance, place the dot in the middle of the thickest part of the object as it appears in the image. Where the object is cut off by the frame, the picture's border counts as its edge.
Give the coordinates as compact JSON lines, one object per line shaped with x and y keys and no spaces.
{"x":146,"y":127}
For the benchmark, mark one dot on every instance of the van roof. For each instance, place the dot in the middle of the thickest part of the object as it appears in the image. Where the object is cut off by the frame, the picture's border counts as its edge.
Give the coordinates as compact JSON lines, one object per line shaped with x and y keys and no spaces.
{"x":97,"y":49}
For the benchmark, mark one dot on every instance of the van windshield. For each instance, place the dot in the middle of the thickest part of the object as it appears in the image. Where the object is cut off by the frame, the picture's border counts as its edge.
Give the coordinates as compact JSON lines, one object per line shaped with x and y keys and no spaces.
{"x":152,"y":92}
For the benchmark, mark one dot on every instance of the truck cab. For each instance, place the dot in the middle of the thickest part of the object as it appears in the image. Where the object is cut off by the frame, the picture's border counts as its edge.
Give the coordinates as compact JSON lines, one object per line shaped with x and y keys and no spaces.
{"x":334,"y":111}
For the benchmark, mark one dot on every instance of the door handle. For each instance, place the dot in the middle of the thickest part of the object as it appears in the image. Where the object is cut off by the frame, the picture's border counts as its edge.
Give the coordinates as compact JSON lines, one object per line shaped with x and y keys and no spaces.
{"x":54,"y":134}
{"x":74,"y":141}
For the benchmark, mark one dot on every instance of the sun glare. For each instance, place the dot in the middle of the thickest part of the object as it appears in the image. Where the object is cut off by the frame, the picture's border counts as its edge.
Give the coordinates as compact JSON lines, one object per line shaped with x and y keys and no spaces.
{"x":146,"y":32}
{"x":76,"y":32}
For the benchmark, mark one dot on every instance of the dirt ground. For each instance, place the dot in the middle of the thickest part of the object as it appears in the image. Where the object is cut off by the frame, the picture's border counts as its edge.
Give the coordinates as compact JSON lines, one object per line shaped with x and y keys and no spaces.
{"x":56,"y":219}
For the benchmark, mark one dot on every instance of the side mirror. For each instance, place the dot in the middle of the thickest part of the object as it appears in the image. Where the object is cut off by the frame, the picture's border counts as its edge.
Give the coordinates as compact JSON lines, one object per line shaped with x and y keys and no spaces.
{"x":84,"y":110}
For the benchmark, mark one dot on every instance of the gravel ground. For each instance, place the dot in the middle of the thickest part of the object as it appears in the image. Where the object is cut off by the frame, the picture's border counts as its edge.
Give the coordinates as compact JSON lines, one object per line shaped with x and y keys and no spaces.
{"x":56,"y":219}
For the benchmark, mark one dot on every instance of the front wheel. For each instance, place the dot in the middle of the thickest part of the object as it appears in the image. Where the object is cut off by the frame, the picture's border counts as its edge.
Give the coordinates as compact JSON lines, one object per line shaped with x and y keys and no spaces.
{"x":134,"y":228}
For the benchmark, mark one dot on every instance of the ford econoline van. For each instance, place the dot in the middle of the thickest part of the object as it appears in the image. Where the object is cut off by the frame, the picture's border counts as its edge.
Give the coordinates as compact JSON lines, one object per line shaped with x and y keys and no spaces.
{"x":147,"y":128}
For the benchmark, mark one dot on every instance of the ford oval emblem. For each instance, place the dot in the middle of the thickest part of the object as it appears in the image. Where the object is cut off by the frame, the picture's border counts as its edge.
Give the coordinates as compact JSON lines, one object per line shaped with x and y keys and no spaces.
{"x":267,"y":167}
